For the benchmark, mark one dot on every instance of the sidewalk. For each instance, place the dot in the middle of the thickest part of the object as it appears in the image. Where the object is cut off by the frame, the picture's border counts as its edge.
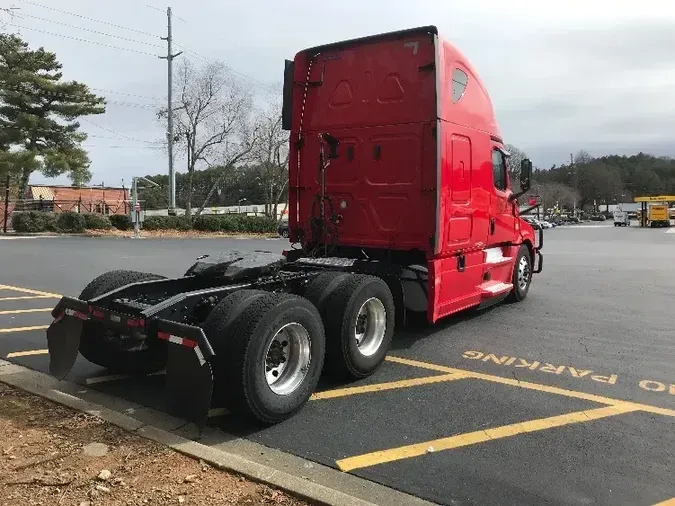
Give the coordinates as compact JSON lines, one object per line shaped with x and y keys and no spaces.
{"x":50,"y":454}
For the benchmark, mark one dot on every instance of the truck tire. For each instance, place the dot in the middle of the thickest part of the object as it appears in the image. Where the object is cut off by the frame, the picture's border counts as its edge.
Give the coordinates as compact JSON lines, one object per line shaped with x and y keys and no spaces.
{"x":359,"y":316}
{"x":217,"y":330}
{"x":272,"y":357}
{"x":522,"y":275}
{"x":322,"y":286}
{"x":105,"y":347}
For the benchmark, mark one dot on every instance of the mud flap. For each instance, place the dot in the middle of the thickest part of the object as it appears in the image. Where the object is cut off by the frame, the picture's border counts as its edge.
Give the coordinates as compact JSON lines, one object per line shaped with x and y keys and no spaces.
{"x":189,"y":384}
{"x":63,"y":342}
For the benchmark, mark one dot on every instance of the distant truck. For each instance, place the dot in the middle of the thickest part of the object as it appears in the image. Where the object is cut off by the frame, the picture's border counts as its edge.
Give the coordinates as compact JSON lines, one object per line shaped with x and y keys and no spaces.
{"x":658,"y":215}
{"x":621,"y":218}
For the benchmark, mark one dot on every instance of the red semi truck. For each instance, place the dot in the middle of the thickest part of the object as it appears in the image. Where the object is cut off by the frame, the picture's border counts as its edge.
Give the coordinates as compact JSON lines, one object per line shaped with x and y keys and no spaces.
{"x":400,"y":201}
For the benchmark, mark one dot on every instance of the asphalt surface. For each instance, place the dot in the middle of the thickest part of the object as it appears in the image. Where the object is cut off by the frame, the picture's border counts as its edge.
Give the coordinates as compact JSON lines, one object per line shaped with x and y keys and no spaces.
{"x":537,"y":400}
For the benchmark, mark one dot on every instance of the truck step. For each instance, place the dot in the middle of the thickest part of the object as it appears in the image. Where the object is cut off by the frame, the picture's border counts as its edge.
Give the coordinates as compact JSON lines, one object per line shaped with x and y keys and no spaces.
{"x":494,"y":288}
{"x":327,"y":261}
{"x":495,"y":256}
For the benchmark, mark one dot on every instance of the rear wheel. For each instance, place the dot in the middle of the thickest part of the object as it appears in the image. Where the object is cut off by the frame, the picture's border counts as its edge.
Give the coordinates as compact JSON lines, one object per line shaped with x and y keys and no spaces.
{"x":359,"y":315}
{"x":271,"y":357}
{"x":127,"y":354}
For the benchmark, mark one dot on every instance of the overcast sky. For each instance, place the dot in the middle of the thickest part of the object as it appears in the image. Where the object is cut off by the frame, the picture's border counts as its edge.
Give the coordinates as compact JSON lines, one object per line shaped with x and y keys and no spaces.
{"x":563,"y":76}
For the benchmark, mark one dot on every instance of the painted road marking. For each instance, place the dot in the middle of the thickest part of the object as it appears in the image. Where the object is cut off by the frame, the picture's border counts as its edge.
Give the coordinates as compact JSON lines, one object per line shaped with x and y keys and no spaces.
{"x":668,"y":502}
{"x":22,"y":311}
{"x":28,"y":290}
{"x":481,"y":436}
{"x":23,"y":329}
{"x":28,"y":297}
{"x":27,"y":353}
{"x":532,"y":386}
{"x":535,"y":365}
{"x":379,"y":387}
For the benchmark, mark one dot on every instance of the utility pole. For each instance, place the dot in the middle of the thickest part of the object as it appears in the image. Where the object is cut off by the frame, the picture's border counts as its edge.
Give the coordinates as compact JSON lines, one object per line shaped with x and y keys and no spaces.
{"x":169,"y":132}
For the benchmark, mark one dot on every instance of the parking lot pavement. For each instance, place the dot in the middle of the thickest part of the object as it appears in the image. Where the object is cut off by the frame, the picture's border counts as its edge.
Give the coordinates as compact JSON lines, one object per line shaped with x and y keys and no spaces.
{"x":565,"y":398}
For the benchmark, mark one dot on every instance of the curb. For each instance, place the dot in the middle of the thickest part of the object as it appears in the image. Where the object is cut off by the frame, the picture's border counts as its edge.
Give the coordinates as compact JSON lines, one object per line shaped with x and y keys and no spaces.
{"x":307,"y":480}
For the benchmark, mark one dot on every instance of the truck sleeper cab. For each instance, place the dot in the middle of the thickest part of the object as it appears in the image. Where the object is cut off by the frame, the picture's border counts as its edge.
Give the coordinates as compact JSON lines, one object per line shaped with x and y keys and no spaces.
{"x":400,"y":201}
{"x":417,"y":172}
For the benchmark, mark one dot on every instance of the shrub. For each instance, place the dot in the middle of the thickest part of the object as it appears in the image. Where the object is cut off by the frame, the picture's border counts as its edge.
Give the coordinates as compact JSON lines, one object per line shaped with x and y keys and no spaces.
{"x":166,"y":223}
{"x":120,"y":221}
{"x":33,"y":222}
{"x":70,"y":221}
{"x":234,"y":223}
{"x":258,"y":225}
{"x":94,"y":221}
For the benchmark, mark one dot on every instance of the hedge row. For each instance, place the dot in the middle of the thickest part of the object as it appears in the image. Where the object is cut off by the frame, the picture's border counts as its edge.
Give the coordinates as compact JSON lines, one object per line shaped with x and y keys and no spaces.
{"x":71,"y":222}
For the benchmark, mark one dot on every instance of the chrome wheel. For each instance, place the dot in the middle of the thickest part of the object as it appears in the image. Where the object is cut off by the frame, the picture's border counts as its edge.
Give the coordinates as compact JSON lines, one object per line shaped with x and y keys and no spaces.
{"x":287,"y":359}
{"x":524,"y":273}
{"x":370,"y":326}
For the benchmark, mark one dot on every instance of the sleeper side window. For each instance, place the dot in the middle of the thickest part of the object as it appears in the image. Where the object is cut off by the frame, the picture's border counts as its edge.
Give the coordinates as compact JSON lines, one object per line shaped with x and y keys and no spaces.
{"x":498,"y":170}
{"x":459,"y":82}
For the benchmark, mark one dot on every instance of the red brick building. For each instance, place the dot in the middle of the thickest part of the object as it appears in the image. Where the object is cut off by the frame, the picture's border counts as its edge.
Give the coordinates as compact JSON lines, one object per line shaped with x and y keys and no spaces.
{"x":84,"y":199}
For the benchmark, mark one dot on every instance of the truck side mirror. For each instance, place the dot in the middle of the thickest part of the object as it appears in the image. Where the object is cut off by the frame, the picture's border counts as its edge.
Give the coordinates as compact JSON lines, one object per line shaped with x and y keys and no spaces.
{"x":525,"y":174}
{"x":287,"y":107}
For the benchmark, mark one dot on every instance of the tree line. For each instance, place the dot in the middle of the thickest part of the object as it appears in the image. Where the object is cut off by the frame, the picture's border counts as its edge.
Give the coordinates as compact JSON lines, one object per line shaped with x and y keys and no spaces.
{"x":589,"y":182}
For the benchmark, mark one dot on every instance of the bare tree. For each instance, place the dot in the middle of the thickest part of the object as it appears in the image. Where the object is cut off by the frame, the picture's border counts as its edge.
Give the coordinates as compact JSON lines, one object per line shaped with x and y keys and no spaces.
{"x":582,"y":157}
{"x":271,"y":156}
{"x":211,"y":119}
{"x":513,"y":162}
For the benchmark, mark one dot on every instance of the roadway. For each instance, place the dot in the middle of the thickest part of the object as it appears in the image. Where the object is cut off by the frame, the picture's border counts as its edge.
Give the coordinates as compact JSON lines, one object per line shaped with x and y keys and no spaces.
{"x":565,"y":398}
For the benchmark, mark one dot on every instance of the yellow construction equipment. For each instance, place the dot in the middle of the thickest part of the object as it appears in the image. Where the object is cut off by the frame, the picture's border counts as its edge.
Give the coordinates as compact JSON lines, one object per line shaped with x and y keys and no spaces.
{"x":655,"y":211}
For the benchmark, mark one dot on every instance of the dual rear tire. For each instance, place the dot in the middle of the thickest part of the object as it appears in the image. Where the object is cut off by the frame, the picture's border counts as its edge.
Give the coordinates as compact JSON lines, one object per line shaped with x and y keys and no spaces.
{"x":271,"y":348}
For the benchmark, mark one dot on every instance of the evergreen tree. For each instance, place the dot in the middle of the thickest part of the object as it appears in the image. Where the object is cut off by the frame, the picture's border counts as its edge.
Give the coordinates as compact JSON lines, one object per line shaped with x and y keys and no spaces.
{"x":38,"y":115}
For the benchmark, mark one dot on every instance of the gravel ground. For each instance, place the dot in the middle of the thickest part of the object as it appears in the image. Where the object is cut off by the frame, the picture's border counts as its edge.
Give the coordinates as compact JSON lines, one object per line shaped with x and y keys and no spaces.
{"x":53,"y":455}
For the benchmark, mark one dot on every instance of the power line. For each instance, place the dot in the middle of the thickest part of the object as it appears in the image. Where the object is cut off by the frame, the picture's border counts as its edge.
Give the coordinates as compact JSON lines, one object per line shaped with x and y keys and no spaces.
{"x":116,"y":146}
{"x":88,"y":41}
{"x":90,"y":30}
{"x":54,"y":94}
{"x":126,"y":94}
{"x":268,"y":87}
{"x":117,"y":133}
{"x":89,"y":19}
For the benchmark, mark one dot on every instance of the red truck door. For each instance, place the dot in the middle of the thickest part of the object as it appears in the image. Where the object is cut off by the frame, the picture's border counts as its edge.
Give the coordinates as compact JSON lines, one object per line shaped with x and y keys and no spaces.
{"x":502,"y":222}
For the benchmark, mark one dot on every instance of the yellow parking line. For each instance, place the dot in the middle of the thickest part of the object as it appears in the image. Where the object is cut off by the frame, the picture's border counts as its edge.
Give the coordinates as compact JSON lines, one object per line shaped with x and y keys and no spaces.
{"x":28,"y":290}
{"x":481,"y":436}
{"x":378,"y":387}
{"x":668,"y":502}
{"x":27,"y":297}
{"x":27,"y":353}
{"x":532,"y":386}
{"x":23,"y":329}
{"x":21,"y":311}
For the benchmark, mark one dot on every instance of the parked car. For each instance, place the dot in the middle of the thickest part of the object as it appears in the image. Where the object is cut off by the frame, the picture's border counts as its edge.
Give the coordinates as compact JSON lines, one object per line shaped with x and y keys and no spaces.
{"x":283,"y":229}
{"x":533,"y":221}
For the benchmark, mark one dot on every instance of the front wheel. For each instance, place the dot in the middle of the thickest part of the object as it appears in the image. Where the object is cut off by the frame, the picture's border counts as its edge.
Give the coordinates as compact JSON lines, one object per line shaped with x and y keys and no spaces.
{"x":522,"y":275}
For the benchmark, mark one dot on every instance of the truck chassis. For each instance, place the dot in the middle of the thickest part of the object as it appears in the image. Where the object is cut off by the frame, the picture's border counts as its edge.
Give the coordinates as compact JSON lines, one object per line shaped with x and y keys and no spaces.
{"x":230,"y":322}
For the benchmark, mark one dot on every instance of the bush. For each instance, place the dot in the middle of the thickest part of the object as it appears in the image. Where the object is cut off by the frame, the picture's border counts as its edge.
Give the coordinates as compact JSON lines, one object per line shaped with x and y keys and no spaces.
{"x":166,"y":223}
{"x":120,"y":221}
{"x":70,"y":221}
{"x":234,"y":223}
{"x":33,"y":222}
{"x":94,"y":221}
